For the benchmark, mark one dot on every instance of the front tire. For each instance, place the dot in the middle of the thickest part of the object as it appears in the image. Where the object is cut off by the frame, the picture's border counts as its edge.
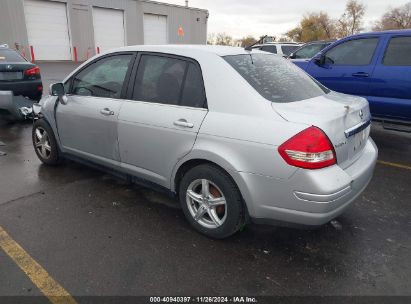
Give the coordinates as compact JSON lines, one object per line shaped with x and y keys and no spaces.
{"x":211,"y":201}
{"x":45,"y":144}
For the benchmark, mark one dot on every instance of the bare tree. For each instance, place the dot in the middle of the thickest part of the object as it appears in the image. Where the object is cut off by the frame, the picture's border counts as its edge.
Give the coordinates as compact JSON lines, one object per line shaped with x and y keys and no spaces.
{"x":284,"y":39}
{"x":395,"y":18}
{"x":295,"y":34}
{"x":223,"y":39}
{"x":246,"y":41}
{"x":211,"y":38}
{"x":327,"y":24}
{"x":351,"y":21}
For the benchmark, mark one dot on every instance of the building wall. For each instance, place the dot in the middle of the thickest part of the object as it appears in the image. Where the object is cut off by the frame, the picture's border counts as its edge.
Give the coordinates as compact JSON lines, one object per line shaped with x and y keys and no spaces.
{"x":195,"y":32}
{"x":79,"y":12}
{"x":12,"y":26}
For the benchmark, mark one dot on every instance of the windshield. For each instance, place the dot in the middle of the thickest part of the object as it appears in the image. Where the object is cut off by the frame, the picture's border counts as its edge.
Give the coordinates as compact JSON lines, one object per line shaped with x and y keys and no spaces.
{"x":275,"y":78}
{"x":288,"y":49}
{"x":10,"y":56}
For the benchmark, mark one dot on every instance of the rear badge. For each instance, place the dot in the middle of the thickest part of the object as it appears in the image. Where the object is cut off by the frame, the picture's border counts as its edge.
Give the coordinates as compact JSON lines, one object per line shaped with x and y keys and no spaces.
{"x":340,"y":145}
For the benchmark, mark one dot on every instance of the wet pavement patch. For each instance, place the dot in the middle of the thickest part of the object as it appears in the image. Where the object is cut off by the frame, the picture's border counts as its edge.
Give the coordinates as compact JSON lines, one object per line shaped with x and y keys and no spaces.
{"x":97,"y":235}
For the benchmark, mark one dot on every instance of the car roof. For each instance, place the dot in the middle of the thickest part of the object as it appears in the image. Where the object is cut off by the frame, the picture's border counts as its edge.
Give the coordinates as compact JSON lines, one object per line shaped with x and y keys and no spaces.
{"x":279,"y":43}
{"x":185,"y":50}
{"x":322,"y":41}
{"x":407,"y":31}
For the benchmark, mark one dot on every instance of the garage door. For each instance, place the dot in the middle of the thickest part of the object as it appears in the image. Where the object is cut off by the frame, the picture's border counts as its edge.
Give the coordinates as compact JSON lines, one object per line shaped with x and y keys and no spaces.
{"x":108,"y":28}
{"x":155,"y":29}
{"x":47,"y":29}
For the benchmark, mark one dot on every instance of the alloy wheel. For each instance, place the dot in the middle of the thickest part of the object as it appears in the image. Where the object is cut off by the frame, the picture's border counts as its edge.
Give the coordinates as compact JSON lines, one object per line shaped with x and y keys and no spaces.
{"x":42,"y":143}
{"x":206,"y":203}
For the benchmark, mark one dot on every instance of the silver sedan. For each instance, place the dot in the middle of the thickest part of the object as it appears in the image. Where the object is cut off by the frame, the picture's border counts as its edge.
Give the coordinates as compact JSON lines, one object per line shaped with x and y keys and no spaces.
{"x":237,"y":136}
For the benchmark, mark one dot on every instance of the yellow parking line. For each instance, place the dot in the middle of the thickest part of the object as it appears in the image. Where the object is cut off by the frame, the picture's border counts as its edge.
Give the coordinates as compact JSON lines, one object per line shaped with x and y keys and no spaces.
{"x":394,"y":165}
{"x":37,"y":274}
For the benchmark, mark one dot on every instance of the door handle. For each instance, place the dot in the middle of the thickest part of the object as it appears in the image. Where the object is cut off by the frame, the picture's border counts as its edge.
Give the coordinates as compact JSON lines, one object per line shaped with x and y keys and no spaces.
{"x":106,"y":112}
{"x":361,"y":74}
{"x":183,"y":123}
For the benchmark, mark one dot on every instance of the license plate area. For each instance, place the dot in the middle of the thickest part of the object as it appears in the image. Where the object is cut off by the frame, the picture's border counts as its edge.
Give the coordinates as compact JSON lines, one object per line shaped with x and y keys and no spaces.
{"x":9,"y":76}
{"x":360,"y":138}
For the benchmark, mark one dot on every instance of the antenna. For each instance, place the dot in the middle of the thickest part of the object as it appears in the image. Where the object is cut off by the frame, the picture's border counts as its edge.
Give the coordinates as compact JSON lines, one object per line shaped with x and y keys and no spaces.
{"x":250,"y":47}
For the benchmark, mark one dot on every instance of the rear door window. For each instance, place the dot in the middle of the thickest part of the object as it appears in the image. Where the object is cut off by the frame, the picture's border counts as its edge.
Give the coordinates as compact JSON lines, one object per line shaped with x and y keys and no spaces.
{"x":193,"y":92}
{"x":353,"y":52}
{"x":159,"y":79}
{"x":169,"y":80}
{"x":275,"y":78}
{"x":398,"y":52}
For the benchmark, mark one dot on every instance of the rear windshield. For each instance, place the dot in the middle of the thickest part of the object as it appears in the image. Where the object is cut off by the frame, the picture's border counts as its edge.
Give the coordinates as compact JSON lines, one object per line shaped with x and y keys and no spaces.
{"x":10,"y":56}
{"x":275,"y":78}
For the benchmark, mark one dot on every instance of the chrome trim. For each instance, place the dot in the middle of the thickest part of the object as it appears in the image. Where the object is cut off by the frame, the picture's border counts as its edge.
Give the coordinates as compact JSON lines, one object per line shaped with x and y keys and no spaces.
{"x":357,"y":129}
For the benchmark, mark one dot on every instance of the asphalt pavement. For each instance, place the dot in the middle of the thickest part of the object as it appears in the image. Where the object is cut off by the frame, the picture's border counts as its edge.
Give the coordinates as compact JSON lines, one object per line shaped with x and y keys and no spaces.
{"x":97,"y":235}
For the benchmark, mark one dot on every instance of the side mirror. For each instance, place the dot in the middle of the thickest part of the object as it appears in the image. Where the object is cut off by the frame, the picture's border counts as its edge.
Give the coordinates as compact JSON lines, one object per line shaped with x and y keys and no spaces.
{"x":319,"y":59}
{"x":57,"y":89}
{"x":292,"y":56}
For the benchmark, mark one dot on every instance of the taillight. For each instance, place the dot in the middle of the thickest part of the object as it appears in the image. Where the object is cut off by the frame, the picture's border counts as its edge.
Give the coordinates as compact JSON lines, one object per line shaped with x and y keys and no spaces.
{"x":32,"y":72}
{"x":309,"y":149}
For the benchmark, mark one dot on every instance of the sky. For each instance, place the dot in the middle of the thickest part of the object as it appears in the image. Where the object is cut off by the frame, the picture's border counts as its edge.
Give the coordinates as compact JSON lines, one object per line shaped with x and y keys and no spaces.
{"x":240,"y":18}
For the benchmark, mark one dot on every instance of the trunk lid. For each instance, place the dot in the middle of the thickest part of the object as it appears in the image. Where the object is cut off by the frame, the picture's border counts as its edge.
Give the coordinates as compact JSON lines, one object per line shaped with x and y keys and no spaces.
{"x":345,"y":120}
{"x":14,"y":71}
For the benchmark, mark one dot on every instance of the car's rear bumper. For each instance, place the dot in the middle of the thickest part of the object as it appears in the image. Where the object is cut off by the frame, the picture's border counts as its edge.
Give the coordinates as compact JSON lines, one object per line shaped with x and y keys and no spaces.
{"x":309,"y":197}
{"x":27,"y":88}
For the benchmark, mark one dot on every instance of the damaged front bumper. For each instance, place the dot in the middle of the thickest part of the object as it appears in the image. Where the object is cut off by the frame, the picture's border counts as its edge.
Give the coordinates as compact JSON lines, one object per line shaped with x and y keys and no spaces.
{"x":14,"y":108}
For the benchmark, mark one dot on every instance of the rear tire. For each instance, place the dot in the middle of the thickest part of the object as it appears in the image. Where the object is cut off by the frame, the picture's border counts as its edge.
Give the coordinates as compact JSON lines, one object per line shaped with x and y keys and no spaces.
{"x":211,"y":201}
{"x":45,"y":143}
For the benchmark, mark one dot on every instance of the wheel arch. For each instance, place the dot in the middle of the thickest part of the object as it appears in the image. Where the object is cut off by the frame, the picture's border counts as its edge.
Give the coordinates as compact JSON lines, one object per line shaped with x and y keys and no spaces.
{"x":209,"y":158}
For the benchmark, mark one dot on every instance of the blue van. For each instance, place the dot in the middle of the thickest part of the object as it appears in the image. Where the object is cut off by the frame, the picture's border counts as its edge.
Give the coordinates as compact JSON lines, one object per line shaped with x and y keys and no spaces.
{"x":376,"y":66}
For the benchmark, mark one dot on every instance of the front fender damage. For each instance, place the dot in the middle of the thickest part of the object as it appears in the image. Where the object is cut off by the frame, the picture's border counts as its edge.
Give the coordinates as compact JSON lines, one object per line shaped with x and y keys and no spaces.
{"x":15,"y":108}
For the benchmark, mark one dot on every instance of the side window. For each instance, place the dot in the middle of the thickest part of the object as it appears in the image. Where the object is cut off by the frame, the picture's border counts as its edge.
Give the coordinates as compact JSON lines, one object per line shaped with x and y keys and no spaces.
{"x":67,"y":86}
{"x":269,"y":48}
{"x":193,"y":92}
{"x":309,"y":51}
{"x":398,"y":52}
{"x":159,"y":79}
{"x":103,"y":78}
{"x":288,"y":49}
{"x":353,"y":52}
